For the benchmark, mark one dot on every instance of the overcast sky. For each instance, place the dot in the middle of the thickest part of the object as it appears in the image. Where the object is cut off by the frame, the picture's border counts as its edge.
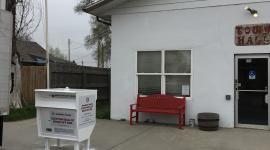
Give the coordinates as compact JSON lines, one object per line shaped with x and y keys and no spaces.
{"x":64,"y":24}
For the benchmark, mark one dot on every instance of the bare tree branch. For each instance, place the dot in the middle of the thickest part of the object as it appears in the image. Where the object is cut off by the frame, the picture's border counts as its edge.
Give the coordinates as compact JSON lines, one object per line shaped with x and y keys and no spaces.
{"x":27,"y":19}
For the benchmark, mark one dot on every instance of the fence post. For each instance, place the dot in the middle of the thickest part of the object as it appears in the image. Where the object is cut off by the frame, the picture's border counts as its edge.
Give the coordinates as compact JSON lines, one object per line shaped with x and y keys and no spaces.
{"x":83,"y":78}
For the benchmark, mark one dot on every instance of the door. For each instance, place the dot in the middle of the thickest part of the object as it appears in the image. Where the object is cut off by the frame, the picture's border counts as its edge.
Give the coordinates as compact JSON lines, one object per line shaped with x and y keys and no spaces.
{"x":251,"y":90}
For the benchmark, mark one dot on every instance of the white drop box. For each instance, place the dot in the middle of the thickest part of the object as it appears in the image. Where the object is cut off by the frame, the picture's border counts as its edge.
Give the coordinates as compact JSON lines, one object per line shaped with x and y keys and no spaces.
{"x":67,"y":114}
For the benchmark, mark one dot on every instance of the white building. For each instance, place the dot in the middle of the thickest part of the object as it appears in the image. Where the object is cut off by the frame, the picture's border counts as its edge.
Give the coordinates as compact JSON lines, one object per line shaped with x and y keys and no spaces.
{"x":5,"y":57}
{"x":215,"y":47}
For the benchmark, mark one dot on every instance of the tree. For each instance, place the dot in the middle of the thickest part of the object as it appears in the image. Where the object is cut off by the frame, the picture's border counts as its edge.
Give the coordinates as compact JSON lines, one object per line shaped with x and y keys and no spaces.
{"x":28,"y":18}
{"x":56,"y":52}
{"x":99,"y":38}
{"x":25,"y":22}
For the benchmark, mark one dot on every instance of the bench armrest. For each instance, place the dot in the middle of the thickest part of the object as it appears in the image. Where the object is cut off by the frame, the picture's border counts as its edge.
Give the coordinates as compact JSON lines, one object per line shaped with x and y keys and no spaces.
{"x":132,"y":106}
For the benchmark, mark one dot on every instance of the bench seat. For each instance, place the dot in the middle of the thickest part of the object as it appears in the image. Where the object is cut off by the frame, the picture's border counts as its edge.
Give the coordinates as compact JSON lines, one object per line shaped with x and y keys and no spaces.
{"x":160,"y":104}
{"x":155,"y":110}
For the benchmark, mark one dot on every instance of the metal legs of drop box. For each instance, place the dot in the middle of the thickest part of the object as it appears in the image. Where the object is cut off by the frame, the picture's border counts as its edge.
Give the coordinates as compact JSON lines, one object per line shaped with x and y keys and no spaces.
{"x":47,"y":144}
{"x":86,"y":144}
{"x":58,"y":143}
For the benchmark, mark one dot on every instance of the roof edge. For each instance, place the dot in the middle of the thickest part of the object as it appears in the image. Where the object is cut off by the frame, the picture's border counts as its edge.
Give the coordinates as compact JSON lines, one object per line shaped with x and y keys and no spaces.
{"x":95,"y":5}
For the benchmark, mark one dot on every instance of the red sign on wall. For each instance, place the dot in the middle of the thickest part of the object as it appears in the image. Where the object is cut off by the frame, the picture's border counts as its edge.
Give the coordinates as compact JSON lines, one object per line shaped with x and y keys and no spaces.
{"x":252,"y":34}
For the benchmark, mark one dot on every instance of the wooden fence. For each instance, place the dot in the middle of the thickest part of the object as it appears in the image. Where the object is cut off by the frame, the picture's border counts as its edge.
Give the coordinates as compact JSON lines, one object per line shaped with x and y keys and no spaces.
{"x":66,"y":75}
{"x":33,"y":77}
{"x":83,"y":77}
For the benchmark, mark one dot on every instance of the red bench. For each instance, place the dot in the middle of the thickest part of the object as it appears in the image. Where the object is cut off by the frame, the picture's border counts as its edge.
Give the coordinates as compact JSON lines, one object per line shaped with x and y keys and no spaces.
{"x":163,"y":104}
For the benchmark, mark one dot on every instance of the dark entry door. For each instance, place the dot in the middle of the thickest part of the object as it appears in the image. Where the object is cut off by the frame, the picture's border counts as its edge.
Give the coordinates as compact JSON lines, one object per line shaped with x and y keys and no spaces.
{"x":252,"y":91}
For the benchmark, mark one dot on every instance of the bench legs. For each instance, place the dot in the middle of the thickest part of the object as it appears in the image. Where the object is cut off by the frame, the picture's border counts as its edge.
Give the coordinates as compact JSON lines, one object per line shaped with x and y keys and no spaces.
{"x":181,"y":118}
{"x":137,"y":117}
{"x":181,"y":121}
{"x":131,"y":117}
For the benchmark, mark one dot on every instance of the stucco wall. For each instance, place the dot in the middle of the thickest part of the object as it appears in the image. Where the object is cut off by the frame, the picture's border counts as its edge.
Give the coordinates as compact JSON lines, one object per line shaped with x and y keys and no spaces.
{"x":208,"y":32}
{"x":5,"y":59}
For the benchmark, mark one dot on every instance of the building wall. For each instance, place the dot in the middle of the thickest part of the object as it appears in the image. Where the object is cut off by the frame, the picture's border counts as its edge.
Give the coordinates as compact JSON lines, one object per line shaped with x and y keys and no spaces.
{"x":208,"y":32}
{"x":5,"y":60}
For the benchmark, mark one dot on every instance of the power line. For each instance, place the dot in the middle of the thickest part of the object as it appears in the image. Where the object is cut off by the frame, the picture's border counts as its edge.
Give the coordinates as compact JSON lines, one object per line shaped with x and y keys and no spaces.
{"x":82,"y":57}
{"x":77,"y":47}
{"x":99,"y":34}
{"x":91,"y":50}
{"x":64,"y":49}
{"x":79,"y":43}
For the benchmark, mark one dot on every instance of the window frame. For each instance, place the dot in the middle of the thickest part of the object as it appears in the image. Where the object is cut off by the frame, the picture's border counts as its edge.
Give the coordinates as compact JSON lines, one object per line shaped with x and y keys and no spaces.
{"x":163,"y":74}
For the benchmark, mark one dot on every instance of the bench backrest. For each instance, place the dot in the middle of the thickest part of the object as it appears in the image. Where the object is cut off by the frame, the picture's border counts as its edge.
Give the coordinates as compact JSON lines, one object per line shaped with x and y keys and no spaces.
{"x":161,"y":101}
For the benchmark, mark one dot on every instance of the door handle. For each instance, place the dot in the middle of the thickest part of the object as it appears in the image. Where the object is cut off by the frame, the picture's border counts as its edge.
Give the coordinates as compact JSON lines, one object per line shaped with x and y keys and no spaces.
{"x":266,"y":99}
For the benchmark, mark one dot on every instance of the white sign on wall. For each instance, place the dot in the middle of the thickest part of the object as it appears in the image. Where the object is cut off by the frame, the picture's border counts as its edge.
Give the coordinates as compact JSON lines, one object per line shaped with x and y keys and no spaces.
{"x":252,"y":75}
{"x":185,"y":90}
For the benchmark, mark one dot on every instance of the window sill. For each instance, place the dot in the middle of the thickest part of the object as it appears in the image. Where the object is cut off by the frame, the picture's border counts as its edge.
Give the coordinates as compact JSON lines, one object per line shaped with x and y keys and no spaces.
{"x":187,"y":98}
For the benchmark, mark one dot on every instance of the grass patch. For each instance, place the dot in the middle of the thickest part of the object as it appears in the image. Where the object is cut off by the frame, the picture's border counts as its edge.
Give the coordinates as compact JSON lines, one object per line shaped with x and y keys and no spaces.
{"x":103,"y":109}
{"x":16,"y":114}
{"x":29,"y":112}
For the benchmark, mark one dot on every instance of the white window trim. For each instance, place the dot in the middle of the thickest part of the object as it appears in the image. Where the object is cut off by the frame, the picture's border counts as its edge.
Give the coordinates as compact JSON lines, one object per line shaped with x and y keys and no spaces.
{"x":163,"y":74}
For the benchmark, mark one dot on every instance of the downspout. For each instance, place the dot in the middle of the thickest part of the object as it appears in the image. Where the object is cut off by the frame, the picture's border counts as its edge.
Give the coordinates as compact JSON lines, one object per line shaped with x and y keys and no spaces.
{"x":103,"y":21}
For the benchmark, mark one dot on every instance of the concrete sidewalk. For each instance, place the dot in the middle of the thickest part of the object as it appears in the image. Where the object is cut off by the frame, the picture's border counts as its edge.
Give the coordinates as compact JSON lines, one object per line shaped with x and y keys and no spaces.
{"x":117,"y":135}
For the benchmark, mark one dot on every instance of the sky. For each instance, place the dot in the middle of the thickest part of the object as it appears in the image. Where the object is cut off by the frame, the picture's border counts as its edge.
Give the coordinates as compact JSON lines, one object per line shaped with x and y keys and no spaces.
{"x":64,"y":23}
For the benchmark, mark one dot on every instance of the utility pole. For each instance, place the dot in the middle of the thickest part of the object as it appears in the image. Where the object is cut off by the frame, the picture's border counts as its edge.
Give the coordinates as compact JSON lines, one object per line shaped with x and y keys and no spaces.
{"x":47,"y":44}
{"x":82,"y":62}
{"x":68,"y":49}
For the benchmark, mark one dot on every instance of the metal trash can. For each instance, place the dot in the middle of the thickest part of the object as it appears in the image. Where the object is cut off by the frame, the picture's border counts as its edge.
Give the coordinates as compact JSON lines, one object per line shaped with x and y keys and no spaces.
{"x":208,"y":121}
{"x":66,"y":114}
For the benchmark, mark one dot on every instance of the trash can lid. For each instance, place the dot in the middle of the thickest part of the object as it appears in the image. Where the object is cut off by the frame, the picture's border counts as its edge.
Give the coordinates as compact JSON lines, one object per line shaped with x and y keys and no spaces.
{"x":208,"y":115}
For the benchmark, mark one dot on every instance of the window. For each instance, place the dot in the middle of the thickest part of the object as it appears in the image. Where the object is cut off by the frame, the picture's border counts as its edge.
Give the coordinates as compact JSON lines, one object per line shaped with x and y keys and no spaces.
{"x":167,"y":72}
